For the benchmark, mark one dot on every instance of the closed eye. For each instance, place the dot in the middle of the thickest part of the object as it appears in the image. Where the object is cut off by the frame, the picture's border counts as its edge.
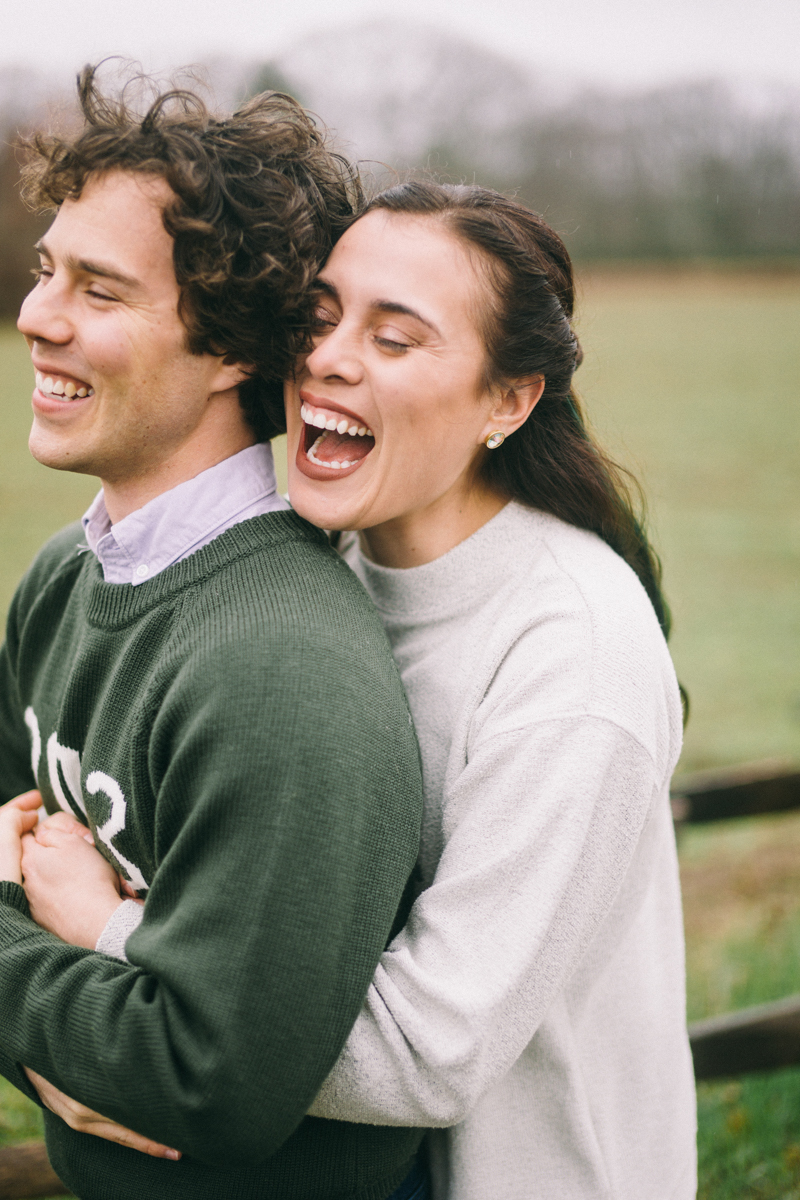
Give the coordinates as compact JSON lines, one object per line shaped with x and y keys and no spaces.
{"x":322,"y":320}
{"x":390,"y":344}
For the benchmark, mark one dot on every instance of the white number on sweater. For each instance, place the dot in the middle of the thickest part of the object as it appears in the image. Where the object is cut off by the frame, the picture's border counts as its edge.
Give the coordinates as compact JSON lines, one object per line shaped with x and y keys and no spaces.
{"x":98,"y":781}
{"x":64,"y":769}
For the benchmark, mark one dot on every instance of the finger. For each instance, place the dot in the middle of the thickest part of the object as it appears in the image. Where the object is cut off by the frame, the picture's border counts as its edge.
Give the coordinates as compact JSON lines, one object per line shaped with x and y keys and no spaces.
{"x":84,"y":1120}
{"x":65,"y":822}
{"x":16,"y":821}
{"x":29,"y":845}
{"x":26,"y":800}
{"x":50,"y":835}
{"x":111,"y":1132}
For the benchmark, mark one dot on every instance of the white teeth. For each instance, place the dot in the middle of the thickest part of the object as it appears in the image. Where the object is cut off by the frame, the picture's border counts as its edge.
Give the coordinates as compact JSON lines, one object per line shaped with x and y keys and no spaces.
{"x":56,"y":387}
{"x":320,"y":421}
{"x":331,"y":466}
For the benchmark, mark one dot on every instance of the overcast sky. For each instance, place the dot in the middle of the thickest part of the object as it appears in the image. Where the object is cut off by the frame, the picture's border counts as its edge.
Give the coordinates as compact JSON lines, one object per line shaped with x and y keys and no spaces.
{"x":626,"y":42}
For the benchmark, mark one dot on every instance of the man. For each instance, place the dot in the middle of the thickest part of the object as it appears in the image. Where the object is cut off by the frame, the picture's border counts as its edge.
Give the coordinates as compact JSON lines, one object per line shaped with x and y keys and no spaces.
{"x":205,"y":685}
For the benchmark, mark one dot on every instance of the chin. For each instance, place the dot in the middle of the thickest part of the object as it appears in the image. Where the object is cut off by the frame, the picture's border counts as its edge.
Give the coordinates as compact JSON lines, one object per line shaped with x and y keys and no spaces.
{"x":314,"y":503}
{"x":308,"y":505}
{"x":51,"y":453}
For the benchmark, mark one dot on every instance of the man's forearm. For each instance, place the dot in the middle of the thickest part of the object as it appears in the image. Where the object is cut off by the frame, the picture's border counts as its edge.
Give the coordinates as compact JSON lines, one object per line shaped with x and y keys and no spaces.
{"x":262,"y":929}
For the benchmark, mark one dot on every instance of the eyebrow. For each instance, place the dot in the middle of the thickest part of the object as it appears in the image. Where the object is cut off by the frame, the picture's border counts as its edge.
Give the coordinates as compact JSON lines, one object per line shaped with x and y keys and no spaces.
{"x":84,"y":266}
{"x":384,"y":306}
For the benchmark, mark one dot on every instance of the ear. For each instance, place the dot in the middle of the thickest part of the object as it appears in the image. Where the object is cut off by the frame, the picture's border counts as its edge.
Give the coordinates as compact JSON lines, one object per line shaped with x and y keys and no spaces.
{"x":513,"y":404}
{"x":230,"y":374}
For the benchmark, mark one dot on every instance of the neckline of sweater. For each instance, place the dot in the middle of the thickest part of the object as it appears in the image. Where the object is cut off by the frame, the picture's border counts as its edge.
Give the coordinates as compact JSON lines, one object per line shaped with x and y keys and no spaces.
{"x":121,"y":603}
{"x":471,"y":571}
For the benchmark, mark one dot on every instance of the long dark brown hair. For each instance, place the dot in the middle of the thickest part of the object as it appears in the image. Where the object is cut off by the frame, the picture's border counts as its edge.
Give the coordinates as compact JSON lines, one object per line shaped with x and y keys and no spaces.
{"x":551,"y":462}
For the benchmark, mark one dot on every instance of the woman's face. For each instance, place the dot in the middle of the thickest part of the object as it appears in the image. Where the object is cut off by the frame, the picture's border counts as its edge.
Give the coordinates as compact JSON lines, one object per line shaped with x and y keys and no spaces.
{"x":389,"y":410}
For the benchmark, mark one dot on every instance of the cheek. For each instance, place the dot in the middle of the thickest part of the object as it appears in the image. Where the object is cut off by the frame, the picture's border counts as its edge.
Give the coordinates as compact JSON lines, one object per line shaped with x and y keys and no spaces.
{"x":109,"y":349}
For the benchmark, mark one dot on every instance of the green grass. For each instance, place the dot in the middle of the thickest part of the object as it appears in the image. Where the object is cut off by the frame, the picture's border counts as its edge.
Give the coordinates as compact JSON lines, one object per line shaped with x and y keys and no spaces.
{"x":693,"y":380}
{"x":741,"y":883}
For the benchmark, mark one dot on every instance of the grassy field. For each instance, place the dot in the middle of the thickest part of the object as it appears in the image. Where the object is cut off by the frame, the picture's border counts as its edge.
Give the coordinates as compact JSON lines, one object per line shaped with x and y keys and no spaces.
{"x":693,"y":380}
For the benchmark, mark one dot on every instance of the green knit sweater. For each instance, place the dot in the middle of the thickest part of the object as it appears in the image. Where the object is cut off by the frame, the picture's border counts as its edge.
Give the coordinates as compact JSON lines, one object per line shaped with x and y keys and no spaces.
{"x":236,"y":733}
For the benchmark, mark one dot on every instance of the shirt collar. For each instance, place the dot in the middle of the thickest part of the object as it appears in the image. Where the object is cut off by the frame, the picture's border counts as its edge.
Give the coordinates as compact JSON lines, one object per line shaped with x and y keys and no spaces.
{"x":175,"y":524}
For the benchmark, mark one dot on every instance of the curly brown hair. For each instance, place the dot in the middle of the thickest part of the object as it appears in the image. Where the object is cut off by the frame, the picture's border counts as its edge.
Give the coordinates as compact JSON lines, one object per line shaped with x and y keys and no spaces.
{"x":260,"y":199}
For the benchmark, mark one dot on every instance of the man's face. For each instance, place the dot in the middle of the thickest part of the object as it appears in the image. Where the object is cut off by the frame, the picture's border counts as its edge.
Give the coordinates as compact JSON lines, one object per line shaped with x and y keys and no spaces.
{"x":117,"y":395}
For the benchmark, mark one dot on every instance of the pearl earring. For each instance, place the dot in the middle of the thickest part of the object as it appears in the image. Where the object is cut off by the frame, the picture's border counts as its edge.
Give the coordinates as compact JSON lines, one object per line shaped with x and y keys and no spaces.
{"x":493,"y":440}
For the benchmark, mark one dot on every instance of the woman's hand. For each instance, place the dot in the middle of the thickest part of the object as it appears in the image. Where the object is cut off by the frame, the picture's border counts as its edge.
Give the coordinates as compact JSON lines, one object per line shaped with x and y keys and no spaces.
{"x":17,"y":817}
{"x":72,"y":890}
{"x":84,"y":1120}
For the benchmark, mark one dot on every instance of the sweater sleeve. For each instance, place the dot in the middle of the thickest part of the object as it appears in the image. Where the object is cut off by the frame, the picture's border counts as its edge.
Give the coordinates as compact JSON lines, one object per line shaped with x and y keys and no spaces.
{"x":287,"y":798}
{"x":20,"y":743}
{"x":16,"y":768}
{"x":540,"y":829}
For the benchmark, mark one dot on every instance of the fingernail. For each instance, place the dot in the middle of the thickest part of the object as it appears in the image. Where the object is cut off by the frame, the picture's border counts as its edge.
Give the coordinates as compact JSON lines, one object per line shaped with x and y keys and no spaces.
{"x":173,"y":1154}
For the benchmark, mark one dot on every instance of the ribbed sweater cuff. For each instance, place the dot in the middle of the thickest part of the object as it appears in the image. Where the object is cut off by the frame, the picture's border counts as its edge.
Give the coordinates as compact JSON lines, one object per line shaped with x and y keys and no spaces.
{"x":13,"y":894}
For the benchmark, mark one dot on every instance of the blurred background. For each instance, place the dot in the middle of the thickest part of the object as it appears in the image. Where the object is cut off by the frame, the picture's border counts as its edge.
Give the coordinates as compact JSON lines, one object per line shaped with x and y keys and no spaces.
{"x":663,"y":142}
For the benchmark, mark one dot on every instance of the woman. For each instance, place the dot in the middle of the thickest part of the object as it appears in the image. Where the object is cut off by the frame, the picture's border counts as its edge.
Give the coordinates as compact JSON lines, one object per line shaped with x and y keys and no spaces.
{"x":532,"y":1010}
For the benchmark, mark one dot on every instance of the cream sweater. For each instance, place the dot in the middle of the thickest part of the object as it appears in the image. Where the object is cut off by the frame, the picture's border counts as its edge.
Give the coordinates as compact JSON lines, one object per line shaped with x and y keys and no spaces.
{"x":533,"y":1006}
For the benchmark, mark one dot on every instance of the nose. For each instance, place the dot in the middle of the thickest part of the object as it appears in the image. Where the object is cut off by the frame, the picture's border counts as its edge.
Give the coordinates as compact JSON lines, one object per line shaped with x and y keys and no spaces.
{"x":43,"y":316}
{"x":336,"y":356}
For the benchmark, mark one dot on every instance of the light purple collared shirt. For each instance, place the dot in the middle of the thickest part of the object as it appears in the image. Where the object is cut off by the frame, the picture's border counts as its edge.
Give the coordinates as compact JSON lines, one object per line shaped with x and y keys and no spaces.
{"x":184,"y":519}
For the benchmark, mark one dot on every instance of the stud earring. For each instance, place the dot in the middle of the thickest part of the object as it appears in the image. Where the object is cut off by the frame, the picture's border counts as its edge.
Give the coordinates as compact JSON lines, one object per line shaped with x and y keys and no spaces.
{"x":493,"y":440}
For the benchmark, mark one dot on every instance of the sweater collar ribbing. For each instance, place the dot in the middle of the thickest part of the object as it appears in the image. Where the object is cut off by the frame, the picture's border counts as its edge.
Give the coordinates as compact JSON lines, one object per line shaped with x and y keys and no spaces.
{"x":121,"y":603}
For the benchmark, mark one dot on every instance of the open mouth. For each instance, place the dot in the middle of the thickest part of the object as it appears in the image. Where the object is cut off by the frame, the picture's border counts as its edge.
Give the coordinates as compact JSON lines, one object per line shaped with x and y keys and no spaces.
{"x":62,"y":387}
{"x":333,"y":440}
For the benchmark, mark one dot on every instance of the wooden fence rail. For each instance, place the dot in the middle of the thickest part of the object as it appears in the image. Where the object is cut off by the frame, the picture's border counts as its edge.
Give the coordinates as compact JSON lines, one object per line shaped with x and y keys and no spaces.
{"x":762,"y":1038}
{"x":767,"y":1036}
{"x":745,"y":791}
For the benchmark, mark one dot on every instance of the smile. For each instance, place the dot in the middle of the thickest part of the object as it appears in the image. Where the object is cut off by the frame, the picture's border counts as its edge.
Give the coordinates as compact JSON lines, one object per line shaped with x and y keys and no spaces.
{"x":58,"y":387}
{"x":333,"y":440}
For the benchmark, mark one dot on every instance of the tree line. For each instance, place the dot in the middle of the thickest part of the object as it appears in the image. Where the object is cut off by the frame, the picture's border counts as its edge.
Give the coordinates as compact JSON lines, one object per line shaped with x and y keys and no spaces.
{"x":685,"y":172}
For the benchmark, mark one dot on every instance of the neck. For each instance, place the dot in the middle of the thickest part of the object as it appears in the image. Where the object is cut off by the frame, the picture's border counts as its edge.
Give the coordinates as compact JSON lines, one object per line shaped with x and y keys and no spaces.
{"x":419,"y":537}
{"x":126,"y":495}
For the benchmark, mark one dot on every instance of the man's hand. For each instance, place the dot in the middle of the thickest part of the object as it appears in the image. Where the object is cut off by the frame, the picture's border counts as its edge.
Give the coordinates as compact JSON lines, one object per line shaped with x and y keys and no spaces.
{"x":17,"y":817}
{"x":84,"y":1120}
{"x":72,"y":890}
